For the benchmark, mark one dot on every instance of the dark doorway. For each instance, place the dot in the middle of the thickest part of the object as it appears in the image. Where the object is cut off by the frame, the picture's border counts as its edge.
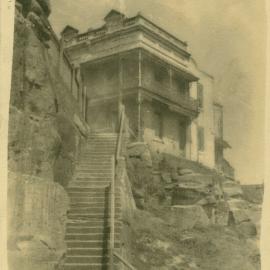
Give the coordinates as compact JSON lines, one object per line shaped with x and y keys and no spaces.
{"x":182,"y":137}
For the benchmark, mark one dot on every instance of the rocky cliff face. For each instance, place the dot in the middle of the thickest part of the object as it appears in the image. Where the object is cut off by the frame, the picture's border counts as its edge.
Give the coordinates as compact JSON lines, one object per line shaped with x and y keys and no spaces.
{"x":43,"y":143}
{"x":190,"y":217}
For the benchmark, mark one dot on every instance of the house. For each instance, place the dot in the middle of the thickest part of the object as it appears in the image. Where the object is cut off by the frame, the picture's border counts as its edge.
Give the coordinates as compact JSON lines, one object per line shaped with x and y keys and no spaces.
{"x":168,"y":99}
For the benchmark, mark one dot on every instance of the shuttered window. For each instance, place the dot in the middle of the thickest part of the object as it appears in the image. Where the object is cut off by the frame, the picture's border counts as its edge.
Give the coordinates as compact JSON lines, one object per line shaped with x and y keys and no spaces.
{"x":158,"y":125}
{"x":200,"y":138}
{"x":200,"y":94}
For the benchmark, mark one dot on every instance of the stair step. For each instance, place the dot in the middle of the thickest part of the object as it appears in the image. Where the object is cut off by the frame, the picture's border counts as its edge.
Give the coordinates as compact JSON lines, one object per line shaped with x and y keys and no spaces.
{"x":93,"y":194}
{"x":90,"y":244}
{"x":92,"y":223}
{"x":87,"y":259}
{"x":77,"y":198}
{"x":92,"y":210}
{"x":97,"y":154}
{"x":106,"y":173}
{"x":91,"y":190}
{"x":95,"y":176}
{"x":90,"y":236}
{"x":87,"y":251}
{"x":88,"y":190}
{"x":91,"y":216}
{"x":94,"y":166}
{"x":99,"y":148}
{"x":89,"y":183}
{"x":96,"y":169}
{"x":86,"y":266}
{"x":83,"y":230}
{"x":94,"y":158}
{"x":92,"y":204}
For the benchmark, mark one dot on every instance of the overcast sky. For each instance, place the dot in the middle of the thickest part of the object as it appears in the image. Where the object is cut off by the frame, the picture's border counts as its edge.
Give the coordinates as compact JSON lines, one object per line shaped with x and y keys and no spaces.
{"x":228,"y":40}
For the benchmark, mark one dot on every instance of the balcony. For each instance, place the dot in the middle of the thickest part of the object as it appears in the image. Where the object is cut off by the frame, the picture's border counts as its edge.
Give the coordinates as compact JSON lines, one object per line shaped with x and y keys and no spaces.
{"x":172,"y":97}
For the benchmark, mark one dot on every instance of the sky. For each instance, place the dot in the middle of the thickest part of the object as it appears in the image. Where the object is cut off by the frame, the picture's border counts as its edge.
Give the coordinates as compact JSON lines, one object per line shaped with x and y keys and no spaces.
{"x":227,"y":38}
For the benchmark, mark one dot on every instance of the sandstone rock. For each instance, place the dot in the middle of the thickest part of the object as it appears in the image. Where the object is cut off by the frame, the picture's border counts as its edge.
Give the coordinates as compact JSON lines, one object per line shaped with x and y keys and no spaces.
{"x":140,"y":150}
{"x":247,"y":228}
{"x":185,"y":196}
{"x":237,"y":203}
{"x":36,"y":222}
{"x":136,"y":149}
{"x":239,"y":215}
{"x":195,"y":180}
{"x":46,"y":5}
{"x":139,"y":198}
{"x":184,"y":171}
{"x":192,"y":188}
{"x":222,"y":213}
{"x":232,"y":189}
{"x":40,"y":26}
{"x":189,"y":216}
{"x":36,"y":8}
{"x":166,"y":177}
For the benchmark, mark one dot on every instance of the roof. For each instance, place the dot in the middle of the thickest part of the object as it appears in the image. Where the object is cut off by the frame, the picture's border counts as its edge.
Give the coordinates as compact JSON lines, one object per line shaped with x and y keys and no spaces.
{"x":69,"y":28}
{"x":112,"y":13}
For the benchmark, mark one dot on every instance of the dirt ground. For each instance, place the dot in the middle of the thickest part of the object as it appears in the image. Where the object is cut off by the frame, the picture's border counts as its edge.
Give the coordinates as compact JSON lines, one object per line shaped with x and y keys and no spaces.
{"x":160,"y":245}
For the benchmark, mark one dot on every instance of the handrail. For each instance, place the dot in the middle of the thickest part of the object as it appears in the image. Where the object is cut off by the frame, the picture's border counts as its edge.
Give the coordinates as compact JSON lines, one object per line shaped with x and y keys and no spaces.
{"x":112,"y":214}
{"x":119,"y":141}
{"x":125,"y":262}
{"x":114,"y":160}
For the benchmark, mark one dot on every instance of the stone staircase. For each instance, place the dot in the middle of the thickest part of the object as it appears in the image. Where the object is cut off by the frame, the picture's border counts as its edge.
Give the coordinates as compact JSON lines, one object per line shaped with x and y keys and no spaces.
{"x":88,"y":231}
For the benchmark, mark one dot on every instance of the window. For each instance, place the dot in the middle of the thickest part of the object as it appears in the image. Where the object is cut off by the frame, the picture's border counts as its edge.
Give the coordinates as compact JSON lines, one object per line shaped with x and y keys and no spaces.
{"x":158,"y":125}
{"x":160,"y":74}
{"x":200,"y":138}
{"x":182,"y":86}
{"x":182,"y":135}
{"x":200,"y":94}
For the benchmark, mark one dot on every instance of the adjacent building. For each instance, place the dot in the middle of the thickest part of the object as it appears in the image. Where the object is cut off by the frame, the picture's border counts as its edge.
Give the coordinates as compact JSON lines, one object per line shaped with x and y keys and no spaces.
{"x":168,"y":99}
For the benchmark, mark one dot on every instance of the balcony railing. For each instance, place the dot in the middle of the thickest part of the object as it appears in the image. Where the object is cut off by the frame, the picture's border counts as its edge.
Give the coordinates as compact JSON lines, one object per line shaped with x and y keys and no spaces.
{"x":165,"y":91}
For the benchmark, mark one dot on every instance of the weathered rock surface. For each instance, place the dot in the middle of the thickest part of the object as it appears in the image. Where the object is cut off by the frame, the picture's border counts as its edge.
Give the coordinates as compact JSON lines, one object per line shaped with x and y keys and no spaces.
{"x":43,"y":143}
{"x":184,"y":171}
{"x":189,"y":216}
{"x":195,"y":188}
{"x":140,"y":150}
{"x":36,"y":220}
{"x":232,"y":189}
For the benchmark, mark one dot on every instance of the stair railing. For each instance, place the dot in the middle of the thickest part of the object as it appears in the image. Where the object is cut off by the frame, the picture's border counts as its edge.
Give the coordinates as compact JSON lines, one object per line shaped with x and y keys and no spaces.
{"x":121,"y":131}
{"x":114,"y":161}
{"x":112,"y":216}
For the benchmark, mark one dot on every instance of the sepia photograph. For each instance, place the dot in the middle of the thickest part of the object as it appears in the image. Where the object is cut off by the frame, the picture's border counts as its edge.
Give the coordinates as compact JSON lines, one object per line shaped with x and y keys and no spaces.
{"x":136,"y":135}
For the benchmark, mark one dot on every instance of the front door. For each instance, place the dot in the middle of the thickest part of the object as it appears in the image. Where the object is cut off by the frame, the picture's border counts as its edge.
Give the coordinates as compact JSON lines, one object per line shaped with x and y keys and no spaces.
{"x":103,"y":118}
{"x":182,"y":137}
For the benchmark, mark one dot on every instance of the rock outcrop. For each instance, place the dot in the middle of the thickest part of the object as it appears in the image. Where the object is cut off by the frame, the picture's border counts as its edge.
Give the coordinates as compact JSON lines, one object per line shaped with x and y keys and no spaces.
{"x":43,"y":142}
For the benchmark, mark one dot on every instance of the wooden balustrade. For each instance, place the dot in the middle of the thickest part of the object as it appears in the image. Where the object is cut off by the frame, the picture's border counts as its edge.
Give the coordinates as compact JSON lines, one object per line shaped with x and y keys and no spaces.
{"x":114,"y":161}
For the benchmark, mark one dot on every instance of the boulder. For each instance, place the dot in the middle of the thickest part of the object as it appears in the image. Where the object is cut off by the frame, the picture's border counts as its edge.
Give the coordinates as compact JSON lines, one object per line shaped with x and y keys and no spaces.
{"x":222,"y":213}
{"x":184,"y":171}
{"x":166,"y":177}
{"x":186,"y":196}
{"x":195,"y":180}
{"x":189,"y":216}
{"x":136,"y":149}
{"x":237,"y":203}
{"x":46,"y":6}
{"x":232,"y":189}
{"x":192,"y":188}
{"x":140,"y":150}
{"x":247,"y":228}
{"x":239,"y":215}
